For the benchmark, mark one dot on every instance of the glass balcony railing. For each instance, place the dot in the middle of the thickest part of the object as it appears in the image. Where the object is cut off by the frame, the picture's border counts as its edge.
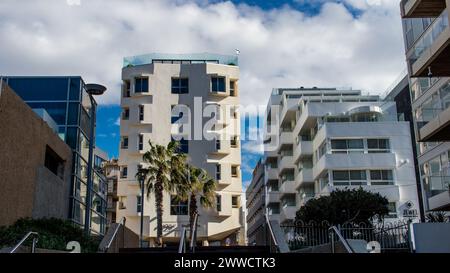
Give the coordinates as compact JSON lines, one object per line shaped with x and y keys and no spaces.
{"x":429,"y":36}
{"x":421,"y":85}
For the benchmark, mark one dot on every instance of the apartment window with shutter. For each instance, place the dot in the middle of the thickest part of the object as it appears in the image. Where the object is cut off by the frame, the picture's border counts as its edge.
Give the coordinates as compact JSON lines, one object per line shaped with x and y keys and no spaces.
{"x":126,"y":113}
{"x":126,"y":89}
{"x":218,"y":172}
{"x":141,"y":112}
{"x":141,"y":85}
{"x":124,"y":172}
{"x":124,"y":144}
{"x":141,"y":142}
{"x":218,"y":84}
{"x":219,"y":203}
{"x":235,"y":171}
{"x":235,"y":201}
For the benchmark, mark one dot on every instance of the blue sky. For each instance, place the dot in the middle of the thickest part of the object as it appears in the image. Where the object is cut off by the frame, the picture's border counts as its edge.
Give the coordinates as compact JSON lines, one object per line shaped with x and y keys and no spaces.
{"x":287,"y":43}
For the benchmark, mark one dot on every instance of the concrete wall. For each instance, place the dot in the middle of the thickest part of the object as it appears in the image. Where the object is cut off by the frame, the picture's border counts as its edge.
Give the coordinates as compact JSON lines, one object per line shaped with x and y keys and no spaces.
{"x":28,"y":189}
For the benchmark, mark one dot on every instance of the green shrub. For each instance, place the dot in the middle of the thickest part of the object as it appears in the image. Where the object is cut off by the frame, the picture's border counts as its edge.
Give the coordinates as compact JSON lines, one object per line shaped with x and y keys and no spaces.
{"x":53,"y":234}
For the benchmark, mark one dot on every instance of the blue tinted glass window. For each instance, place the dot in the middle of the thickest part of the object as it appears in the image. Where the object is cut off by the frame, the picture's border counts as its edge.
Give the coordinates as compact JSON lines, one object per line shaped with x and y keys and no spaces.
{"x":72,"y":137}
{"x":74,"y":93}
{"x":41,"y":89}
{"x":85,"y":123}
{"x":73,"y":113}
{"x":180,"y":86}
{"x":57,"y":110}
{"x":218,"y":84}
{"x":141,"y":85}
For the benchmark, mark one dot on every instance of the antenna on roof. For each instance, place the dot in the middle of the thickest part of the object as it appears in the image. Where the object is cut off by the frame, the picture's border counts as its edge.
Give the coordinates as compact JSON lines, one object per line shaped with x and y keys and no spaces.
{"x":238,"y":52}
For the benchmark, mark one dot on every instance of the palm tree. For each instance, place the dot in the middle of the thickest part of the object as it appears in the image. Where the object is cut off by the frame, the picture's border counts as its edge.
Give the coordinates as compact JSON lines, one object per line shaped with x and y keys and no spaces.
{"x":197,"y":186}
{"x":161,"y":173}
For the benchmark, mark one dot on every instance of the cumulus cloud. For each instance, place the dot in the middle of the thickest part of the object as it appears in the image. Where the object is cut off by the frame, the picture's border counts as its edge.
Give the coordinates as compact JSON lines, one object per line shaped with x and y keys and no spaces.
{"x":279,"y":47}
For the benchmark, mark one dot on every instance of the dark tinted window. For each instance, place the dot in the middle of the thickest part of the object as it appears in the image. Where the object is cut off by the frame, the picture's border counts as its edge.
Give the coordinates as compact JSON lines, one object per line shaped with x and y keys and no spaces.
{"x":40,"y":88}
{"x":74,"y":91}
{"x":57,"y":110}
{"x":73,"y":113}
{"x":218,"y":84}
{"x":141,"y":85}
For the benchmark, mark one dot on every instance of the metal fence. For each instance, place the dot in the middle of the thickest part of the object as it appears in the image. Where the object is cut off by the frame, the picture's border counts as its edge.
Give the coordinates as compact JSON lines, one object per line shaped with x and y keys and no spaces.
{"x":390,"y":237}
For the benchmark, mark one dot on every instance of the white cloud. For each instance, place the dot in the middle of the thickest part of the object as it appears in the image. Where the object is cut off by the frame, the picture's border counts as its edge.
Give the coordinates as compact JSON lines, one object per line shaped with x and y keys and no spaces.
{"x":279,"y":48}
{"x":117,"y":121}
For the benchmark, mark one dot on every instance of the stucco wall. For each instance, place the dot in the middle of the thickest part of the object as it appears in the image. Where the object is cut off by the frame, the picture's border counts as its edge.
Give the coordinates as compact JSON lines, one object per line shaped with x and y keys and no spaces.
{"x":27,"y":190}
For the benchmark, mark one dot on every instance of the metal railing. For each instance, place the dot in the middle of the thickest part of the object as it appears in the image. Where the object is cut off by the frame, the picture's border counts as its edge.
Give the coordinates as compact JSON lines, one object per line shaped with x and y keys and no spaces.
{"x":272,"y":239}
{"x":194,"y":234}
{"x":33,"y":245}
{"x":113,"y":237}
{"x":392,"y":237}
{"x":334,"y":230}
{"x":182,"y":245}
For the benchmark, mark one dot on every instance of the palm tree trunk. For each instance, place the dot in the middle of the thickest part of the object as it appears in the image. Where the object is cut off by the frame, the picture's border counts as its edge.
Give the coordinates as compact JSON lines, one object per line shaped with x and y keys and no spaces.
{"x":193,"y":210}
{"x":159,"y":211}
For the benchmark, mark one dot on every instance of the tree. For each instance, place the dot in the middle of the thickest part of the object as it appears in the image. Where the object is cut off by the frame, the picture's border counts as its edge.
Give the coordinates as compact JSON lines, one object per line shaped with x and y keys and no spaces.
{"x":198,"y":186}
{"x":437,"y":217}
{"x":163,"y":171}
{"x":345,"y":206}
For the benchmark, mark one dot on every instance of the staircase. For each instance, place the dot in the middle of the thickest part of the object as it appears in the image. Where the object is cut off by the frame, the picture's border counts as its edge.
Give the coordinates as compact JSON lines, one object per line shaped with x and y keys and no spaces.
{"x":201,"y":249}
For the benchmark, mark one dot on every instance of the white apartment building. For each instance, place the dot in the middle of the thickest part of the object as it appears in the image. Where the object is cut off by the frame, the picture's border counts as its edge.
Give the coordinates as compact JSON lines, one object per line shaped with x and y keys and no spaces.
{"x":318,"y":140}
{"x":155,"y":87}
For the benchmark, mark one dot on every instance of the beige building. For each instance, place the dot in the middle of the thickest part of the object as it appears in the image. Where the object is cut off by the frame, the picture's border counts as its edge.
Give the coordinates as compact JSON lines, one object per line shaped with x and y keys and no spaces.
{"x":154,"y":88}
{"x":35,"y":164}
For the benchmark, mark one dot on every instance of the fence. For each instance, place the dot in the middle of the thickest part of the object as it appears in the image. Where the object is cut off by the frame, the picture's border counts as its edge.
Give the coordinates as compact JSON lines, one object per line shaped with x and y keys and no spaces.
{"x":391,"y":237}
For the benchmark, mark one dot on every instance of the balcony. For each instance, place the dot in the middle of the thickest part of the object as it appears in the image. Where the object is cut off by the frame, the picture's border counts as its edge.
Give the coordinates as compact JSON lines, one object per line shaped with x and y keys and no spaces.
{"x":303,"y":149}
{"x":421,"y":8}
{"x":273,"y":197}
{"x":438,"y":128}
{"x":271,"y":174}
{"x":355,"y":161}
{"x":223,"y":147}
{"x":432,"y":50}
{"x":304,"y":176}
{"x":287,"y":187}
{"x":287,"y":213}
{"x":286,"y":162}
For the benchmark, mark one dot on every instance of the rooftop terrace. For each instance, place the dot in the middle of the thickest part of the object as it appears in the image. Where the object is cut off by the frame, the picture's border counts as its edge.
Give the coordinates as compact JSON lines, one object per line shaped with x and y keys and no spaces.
{"x":180,"y":59}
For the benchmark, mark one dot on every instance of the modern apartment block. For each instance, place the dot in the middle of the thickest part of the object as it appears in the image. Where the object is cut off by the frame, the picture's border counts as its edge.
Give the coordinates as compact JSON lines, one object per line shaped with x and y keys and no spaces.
{"x":169,"y":97}
{"x":321,"y":139}
{"x":427,"y":46}
{"x":71,"y":104}
{"x":35,"y":164}
{"x":256,"y":207}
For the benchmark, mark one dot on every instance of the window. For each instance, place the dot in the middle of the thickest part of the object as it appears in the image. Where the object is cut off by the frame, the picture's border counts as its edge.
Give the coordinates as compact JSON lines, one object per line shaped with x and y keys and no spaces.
{"x":218,"y":146}
{"x":141,"y":142}
{"x":54,"y":163}
{"x":235,"y":201}
{"x":381,"y":177}
{"x":141,"y":112}
{"x":378,"y":145}
{"x":218,"y":84}
{"x":218,"y":172}
{"x":349,"y":178}
{"x":234,"y":142}
{"x":126,"y":113}
{"x":234,"y":171}
{"x":180,"y":86}
{"x":219,"y":203}
{"x":233,"y":88}
{"x":274,"y":208}
{"x":124,"y":172}
{"x":344,"y":146}
{"x":178,"y":207}
{"x":138,"y":204}
{"x":392,"y":210}
{"x":124,"y":144}
{"x":184,"y":146}
{"x":126,"y":89}
{"x":141,"y":85}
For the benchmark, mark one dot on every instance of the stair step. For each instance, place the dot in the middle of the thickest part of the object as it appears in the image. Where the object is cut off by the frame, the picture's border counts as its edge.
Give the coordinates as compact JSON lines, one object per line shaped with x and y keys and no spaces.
{"x":201,"y":249}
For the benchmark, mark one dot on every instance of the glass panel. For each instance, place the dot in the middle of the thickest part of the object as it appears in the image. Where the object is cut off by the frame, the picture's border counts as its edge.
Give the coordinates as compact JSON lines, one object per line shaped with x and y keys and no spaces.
{"x":72,"y":137}
{"x":57,"y":110}
{"x":34,"y":89}
{"x":75,"y":88}
{"x":340,"y":175}
{"x":78,"y":212}
{"x":73,"y":113}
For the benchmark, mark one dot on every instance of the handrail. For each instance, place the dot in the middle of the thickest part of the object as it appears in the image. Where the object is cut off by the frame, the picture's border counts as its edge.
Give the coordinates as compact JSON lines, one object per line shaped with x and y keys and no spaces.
{"x":334,"y":230}
{"x":194,"y":233}
{"x":121,"y":223}
{"x":33,"y":246}
{"x":182,"y":246}
{"x":272,"y":235}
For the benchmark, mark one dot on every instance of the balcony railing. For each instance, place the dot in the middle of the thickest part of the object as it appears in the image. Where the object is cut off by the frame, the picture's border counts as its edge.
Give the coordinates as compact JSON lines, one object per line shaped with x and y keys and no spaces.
{"x":439,"y":25}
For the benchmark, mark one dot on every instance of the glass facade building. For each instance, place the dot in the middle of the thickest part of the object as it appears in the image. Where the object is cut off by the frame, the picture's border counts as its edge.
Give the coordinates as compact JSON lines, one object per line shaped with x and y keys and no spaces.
{"x":67,"y":101}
